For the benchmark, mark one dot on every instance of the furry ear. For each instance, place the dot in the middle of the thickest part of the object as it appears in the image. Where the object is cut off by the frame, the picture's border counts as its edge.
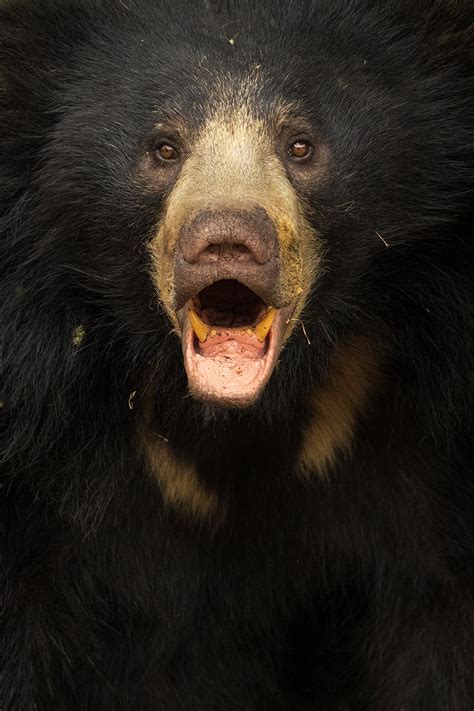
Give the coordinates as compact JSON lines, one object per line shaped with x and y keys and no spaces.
{"x":27,"y":115}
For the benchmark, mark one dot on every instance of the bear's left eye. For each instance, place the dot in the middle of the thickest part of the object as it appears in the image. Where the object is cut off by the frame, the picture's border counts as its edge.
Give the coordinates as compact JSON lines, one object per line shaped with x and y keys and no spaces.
{"x":165,"y":153}
{"x":301,"y":150}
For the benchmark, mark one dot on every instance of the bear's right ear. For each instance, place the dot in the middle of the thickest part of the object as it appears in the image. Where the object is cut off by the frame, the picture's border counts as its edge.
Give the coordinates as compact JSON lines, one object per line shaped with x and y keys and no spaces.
{"x":39,"y":42}
{"x":26,"y":44}
{"x":24,"y":100}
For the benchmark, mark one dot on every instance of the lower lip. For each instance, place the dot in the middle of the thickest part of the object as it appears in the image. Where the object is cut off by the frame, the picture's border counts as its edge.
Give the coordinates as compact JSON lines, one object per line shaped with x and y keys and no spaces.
{"x":229,"y":382}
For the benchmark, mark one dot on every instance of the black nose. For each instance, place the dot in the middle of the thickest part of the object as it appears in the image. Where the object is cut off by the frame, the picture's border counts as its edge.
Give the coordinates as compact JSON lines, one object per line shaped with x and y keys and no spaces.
{"x":227,"y":244}
{"x":228,"y":235}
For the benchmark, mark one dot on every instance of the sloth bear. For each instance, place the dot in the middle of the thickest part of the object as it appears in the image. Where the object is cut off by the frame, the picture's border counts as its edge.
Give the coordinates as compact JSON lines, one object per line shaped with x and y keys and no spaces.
{"x":237,"y":355}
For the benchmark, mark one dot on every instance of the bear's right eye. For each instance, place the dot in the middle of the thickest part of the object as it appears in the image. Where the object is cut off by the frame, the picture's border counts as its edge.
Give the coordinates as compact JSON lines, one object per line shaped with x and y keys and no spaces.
{"x":166,"y":153}
{"x":300,"y":150}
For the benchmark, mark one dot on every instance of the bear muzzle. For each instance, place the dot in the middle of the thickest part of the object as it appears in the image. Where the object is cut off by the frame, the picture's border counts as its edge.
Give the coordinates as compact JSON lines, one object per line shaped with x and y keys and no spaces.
{"x":227,"y":271}
{"x":237,"y":244}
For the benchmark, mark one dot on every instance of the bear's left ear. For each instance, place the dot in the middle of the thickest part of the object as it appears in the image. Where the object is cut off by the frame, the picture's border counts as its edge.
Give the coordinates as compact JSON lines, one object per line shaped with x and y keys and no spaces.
{"x":27,"y":78}
{"x":38,"y":50}
{"x":38,"y":46}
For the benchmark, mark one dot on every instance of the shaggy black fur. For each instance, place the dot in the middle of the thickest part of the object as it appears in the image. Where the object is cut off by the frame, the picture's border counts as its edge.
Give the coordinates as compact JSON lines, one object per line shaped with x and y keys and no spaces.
{"x":355,"y":592}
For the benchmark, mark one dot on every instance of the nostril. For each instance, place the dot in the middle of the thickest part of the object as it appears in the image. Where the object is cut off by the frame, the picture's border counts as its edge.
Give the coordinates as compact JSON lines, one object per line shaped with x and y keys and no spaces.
{"x":226,"y":252}
{"x":228,"y":236}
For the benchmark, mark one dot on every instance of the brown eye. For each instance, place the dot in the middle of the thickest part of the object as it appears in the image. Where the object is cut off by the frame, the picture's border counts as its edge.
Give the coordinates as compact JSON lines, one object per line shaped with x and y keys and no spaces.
{"x":166,"y":153}
{"x":300,"y":149}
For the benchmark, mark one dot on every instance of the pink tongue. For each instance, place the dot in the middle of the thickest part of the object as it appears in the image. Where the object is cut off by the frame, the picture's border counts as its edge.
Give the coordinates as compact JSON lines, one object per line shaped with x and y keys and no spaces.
{"x":230,"y":368}
{"x":232,"y":343}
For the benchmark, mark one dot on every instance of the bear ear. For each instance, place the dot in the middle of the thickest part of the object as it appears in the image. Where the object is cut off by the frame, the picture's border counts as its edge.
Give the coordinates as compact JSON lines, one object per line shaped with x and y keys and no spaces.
{"x":23,"y":96}
{"x":39,"y":39}
{"x":446,"y":27}
{"x":38,"y":48}
{"x":23,"y":56}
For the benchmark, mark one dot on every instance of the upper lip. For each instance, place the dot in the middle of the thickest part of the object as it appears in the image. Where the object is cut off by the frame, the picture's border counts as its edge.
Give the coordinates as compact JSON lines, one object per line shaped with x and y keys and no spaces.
{"x":190,"y":280}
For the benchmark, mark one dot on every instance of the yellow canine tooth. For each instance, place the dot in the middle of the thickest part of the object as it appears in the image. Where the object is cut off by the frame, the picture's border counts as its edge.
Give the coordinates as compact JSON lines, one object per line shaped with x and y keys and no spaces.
{"x":263,"y":328}
{"x":198,"y":326}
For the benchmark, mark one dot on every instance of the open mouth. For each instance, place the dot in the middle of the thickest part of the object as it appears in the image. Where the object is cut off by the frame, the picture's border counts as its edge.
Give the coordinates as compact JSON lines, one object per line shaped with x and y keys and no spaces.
{"x":231,"y":343}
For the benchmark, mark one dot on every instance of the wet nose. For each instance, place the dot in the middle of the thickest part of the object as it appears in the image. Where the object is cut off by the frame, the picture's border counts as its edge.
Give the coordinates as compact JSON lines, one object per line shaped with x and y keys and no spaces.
{"x":227,"y":243}
{"x":230,"y":236}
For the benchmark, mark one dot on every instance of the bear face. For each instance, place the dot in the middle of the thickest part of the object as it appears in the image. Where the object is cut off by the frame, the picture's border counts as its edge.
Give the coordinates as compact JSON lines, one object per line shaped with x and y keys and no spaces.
{"x":234,"y":256}
{"x":329,"y":175}
{"x":233,"y":127}
{"x":331,"y":245}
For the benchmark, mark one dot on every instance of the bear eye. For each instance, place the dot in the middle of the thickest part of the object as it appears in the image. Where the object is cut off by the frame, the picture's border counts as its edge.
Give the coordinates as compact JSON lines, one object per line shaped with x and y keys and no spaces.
{"x":301,"y":150}
{"x":166,"y":153}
